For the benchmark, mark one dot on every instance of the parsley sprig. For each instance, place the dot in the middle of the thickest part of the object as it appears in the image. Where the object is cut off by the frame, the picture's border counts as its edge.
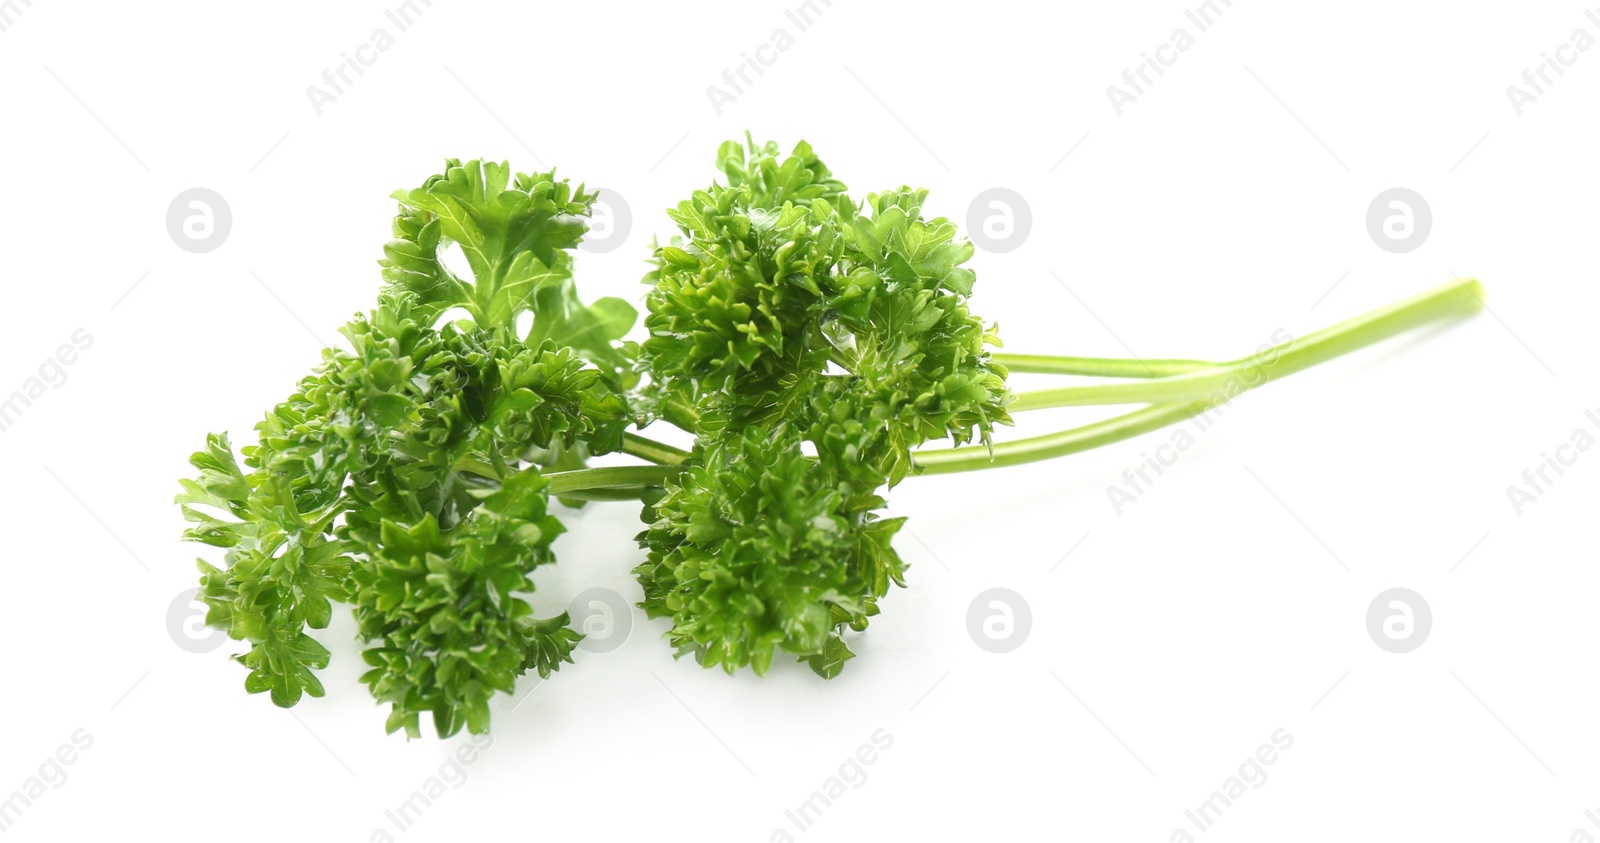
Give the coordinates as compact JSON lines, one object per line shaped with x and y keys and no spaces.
{"x":812,"y":345}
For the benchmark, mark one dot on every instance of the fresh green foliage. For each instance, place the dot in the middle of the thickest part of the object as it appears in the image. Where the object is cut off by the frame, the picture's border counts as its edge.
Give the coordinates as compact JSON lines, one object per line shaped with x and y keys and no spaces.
{"x":404,"y":475}
{"x":809,"y":343}
{"x":789,"y":315}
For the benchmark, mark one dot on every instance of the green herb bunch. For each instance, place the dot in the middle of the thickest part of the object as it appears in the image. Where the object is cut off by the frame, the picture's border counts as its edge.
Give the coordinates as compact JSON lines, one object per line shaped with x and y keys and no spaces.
{"x":811,"y":345}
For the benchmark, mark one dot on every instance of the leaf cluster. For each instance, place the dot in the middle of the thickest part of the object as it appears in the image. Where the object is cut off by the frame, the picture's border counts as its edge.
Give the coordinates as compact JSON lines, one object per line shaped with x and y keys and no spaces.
{"x":810,"y":342}
{"x":807,"y":340}
{"x":405,"y":474}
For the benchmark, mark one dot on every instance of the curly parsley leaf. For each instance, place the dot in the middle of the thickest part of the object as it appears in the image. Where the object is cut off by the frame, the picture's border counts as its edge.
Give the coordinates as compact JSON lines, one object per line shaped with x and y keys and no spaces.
{"x":787,"y":313}
{"x":404,"y":474}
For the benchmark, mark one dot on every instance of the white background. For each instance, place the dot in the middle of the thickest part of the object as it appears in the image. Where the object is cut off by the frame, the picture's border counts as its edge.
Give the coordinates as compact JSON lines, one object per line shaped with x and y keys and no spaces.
{"x":1227,"y":202}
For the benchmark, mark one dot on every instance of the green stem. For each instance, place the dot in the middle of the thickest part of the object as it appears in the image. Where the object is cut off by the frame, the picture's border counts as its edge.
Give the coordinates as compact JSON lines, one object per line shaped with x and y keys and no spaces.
{"x":1051,"y":445}
{"x":1100,"y":367}
{"x":1176,"y":397}
{"x":650,"y":450}
{"x":1227,"y":379}
{"x":566,"y":483}
{"x":629,"y":493}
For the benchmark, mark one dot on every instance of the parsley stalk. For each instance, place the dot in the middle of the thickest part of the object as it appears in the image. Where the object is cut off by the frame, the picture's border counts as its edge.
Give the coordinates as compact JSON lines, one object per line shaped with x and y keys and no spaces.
{"x":1179,"y":396}
{"x":1452,"y":299}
